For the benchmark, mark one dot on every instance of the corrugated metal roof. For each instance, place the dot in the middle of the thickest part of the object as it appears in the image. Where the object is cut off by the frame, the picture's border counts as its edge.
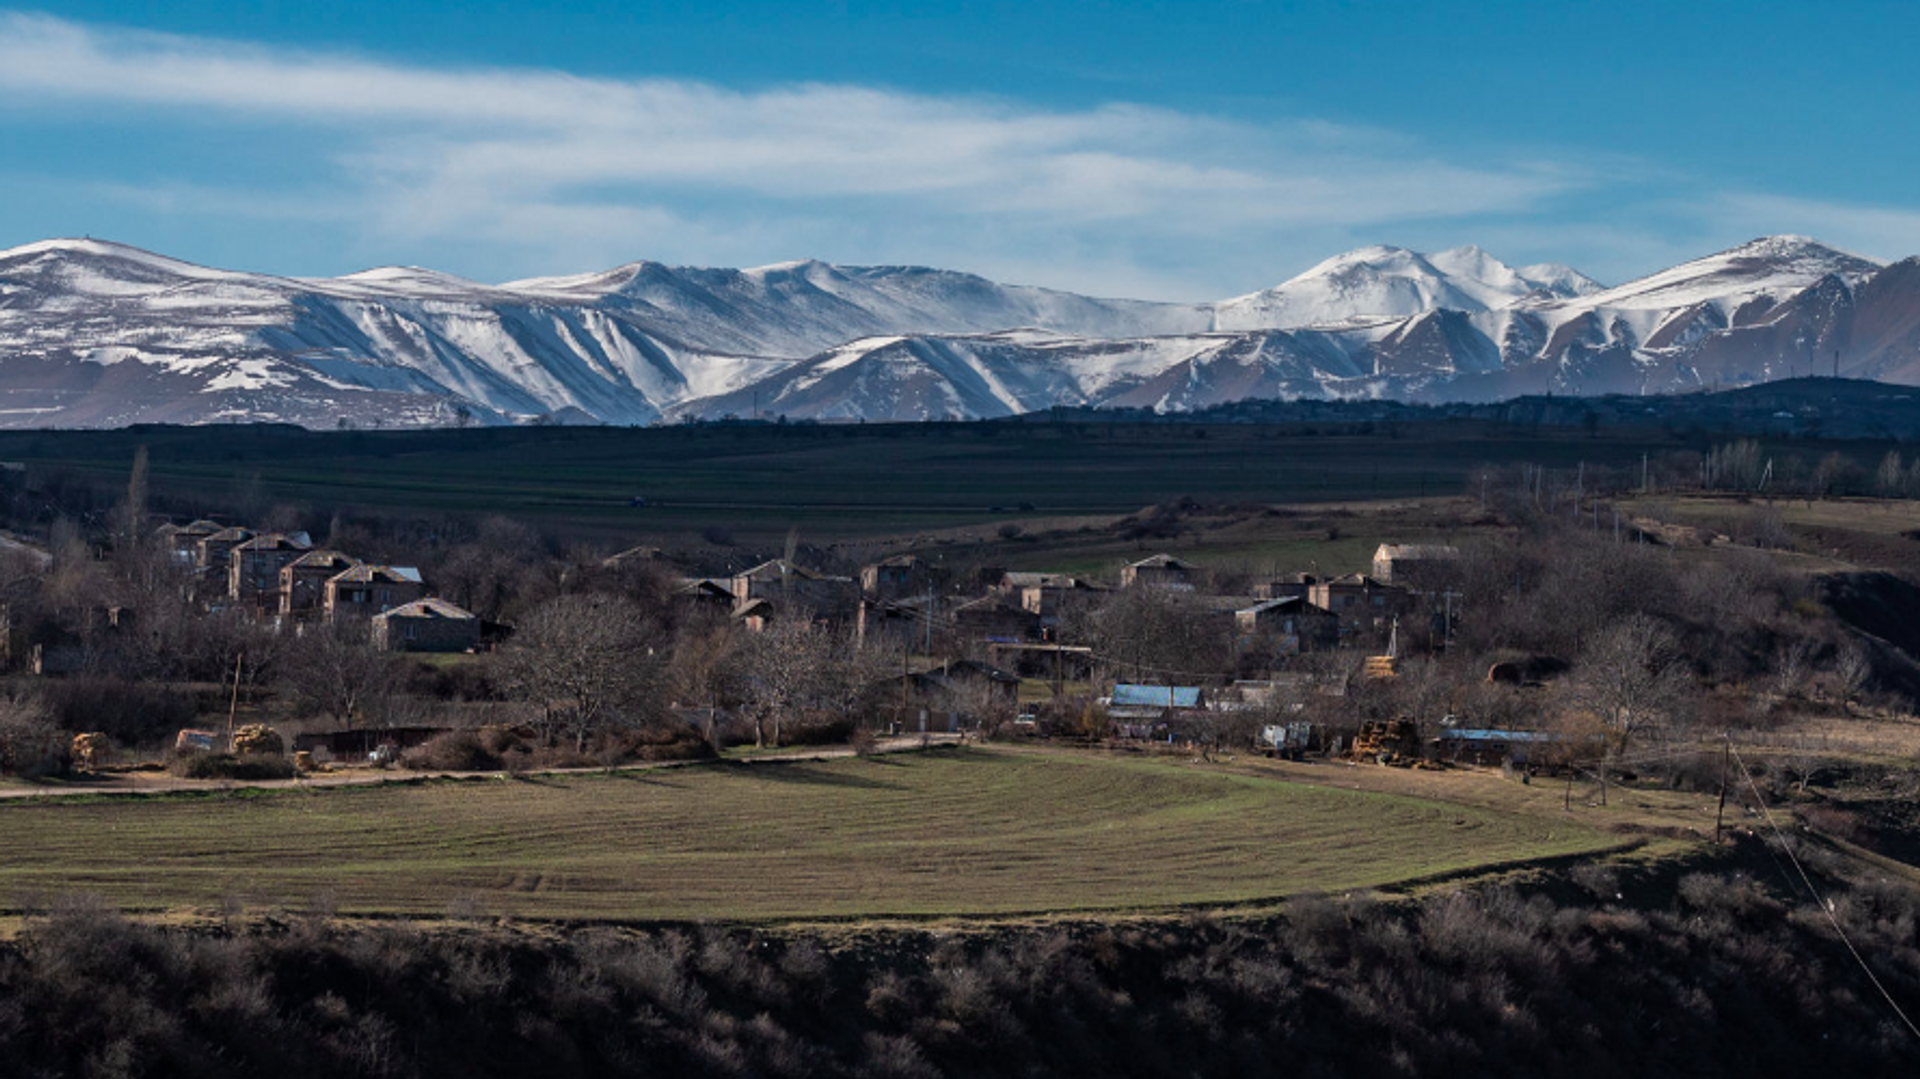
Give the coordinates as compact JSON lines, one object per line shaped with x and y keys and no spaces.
{"x":1501,"y":736}
{"x":1138,"y":696}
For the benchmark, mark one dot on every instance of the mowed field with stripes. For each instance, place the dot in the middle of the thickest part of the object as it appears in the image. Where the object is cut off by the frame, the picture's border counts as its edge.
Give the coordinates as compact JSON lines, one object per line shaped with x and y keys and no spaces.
{"x":946,"y":832}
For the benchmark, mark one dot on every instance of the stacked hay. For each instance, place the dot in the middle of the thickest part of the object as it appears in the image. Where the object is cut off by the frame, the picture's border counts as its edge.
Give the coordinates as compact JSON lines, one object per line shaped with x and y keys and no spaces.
{"x":90,"y":749}
{"x":258,"y":738}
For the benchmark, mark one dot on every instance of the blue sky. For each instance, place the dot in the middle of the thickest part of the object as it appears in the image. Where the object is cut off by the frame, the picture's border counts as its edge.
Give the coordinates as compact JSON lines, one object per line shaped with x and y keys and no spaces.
{"x":1171,"y":150}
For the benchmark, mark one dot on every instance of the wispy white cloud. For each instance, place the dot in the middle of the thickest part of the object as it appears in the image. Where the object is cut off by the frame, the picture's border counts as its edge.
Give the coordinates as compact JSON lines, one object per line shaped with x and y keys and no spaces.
{"x":549,"y":163}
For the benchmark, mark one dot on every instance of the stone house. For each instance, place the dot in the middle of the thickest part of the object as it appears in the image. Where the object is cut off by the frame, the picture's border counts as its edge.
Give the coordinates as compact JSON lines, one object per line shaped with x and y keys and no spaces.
{"x":1158,"y":571}
{"x":212,"y":549}
{"x":253,"y":566}
{"x":183,"y":541}
{"x":303,"y":581}
{"x":1292,"y":624}
{"x":1415,"y":564}
{"x":901,"y":576}
{"x":1361,"y":602}
{"x":425,"y":625}
{"x":797,"y":589}
{"x":366,"y":590}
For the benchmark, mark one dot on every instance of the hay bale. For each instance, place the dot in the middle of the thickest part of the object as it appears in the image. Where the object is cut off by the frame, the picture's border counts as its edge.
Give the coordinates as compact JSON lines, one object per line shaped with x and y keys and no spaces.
{"x":258,"y":738}
{"x":90,"y":749}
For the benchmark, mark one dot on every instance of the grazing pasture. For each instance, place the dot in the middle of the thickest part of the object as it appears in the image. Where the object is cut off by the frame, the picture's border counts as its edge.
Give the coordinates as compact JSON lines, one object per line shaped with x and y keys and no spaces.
{"x":939,"y":833}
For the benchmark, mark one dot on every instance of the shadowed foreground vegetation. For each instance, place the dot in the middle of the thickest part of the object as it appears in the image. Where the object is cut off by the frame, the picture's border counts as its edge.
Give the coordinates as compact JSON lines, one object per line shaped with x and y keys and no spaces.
{"x":1722,"y":979}
{"x":943,"y":832}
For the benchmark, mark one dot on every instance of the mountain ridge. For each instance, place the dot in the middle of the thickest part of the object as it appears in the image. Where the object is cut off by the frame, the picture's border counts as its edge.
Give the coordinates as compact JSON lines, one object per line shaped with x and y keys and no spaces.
{"x":94,"y":333}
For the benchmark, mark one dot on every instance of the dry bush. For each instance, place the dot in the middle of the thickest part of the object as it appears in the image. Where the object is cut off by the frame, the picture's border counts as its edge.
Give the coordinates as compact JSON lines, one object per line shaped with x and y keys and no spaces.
{"x":230,"y":766}
{"x":453,"y":751}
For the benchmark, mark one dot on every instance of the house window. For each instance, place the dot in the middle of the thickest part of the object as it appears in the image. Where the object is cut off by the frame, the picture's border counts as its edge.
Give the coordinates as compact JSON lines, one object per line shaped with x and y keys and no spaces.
{"x":412,"y":632}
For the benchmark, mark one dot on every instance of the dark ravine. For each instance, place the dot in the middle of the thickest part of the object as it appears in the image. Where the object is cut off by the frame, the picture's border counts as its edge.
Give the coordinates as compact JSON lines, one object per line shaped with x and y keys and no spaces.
{"x":1720,"y":978}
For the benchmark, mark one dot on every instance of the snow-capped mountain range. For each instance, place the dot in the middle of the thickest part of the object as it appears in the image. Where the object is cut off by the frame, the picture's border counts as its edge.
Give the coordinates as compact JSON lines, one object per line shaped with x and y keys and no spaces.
{"x":94,"y":334}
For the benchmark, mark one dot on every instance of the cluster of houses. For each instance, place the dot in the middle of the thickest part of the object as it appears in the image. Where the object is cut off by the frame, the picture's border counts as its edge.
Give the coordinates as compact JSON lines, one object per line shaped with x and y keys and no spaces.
{"x":1022,"y":617}
{"x":282,"y":575}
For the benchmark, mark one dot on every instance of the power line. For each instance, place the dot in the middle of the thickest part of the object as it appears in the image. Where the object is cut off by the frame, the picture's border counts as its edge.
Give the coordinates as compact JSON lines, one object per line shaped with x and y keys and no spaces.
{"x":1826,"y":906}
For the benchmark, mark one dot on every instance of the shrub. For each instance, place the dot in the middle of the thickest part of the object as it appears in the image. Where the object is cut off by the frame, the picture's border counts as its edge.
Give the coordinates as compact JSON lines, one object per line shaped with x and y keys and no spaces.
{"x":454,"y":751}
{"x":31,"y":744}
{"x":231,"y":766}
{"x":127,"y":712}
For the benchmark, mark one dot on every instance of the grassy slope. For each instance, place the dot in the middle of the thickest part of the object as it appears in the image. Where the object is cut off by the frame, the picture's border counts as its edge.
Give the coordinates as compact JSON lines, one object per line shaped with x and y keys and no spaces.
{"x":966,"y":832}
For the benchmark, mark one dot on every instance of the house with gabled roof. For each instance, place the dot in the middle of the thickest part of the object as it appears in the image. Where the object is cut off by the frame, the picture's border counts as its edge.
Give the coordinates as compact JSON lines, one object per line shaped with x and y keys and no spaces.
{"x":183,"y":541}
{"x":366,"y":590}
{"x":253,"y":566}
{"x":303,"y":581}
{"x":1408,"y":563}
{"x":795,"y":588}
{"x":901,"y":575}
{"x":1158,"y":571}
{"x":425,"y":625}
{"x":210,"y":554}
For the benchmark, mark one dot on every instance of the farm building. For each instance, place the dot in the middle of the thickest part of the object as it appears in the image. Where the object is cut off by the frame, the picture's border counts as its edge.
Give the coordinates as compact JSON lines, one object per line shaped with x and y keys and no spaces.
{"x":1141,"y":711}
{"x":1158,"y":571}
{"x":1414,"y":563}
{"x":426,"y":625}
{"x":1479,"y":746}
{"x":713,"y":592}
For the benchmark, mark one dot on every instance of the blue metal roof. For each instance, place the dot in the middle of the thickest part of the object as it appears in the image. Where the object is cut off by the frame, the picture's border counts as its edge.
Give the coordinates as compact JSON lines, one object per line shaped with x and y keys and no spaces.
{"x":1134,"y":696}
{"x":1502,"y":736}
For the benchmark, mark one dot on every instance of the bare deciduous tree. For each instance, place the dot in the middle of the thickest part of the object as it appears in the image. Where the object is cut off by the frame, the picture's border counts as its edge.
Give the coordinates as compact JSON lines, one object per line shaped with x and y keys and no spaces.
{"x":1852,"y":670}
{"x":587,"y":660}
{"x":1631,"y":676}
{"x":334,"y":672}
{"x":783,"y":666}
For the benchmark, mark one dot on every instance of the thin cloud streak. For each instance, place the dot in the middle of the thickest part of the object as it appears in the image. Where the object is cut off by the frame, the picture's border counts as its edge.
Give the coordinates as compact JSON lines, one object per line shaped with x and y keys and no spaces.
{"x":529,"y":159}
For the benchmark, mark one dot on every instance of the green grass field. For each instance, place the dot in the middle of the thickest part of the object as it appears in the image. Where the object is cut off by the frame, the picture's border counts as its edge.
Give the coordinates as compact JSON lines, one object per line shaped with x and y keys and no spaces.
{"x":832,"y":482}
{"x":949,"y":832}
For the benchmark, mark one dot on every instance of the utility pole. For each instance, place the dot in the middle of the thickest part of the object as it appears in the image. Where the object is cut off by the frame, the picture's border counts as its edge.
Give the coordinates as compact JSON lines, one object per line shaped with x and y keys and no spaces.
{"x":929,"y":621}
{"x":233,"y":703}
{"x":1719,"y":815}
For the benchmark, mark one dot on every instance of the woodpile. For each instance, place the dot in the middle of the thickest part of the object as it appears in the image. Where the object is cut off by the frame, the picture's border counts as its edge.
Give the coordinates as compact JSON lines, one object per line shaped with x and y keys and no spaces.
{"x":1392,"y":741}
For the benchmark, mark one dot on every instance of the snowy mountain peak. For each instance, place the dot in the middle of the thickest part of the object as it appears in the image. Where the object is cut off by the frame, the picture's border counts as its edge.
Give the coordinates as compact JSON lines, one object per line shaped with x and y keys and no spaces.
{"x":1381,"y":281}
{"x":86,"y":250}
